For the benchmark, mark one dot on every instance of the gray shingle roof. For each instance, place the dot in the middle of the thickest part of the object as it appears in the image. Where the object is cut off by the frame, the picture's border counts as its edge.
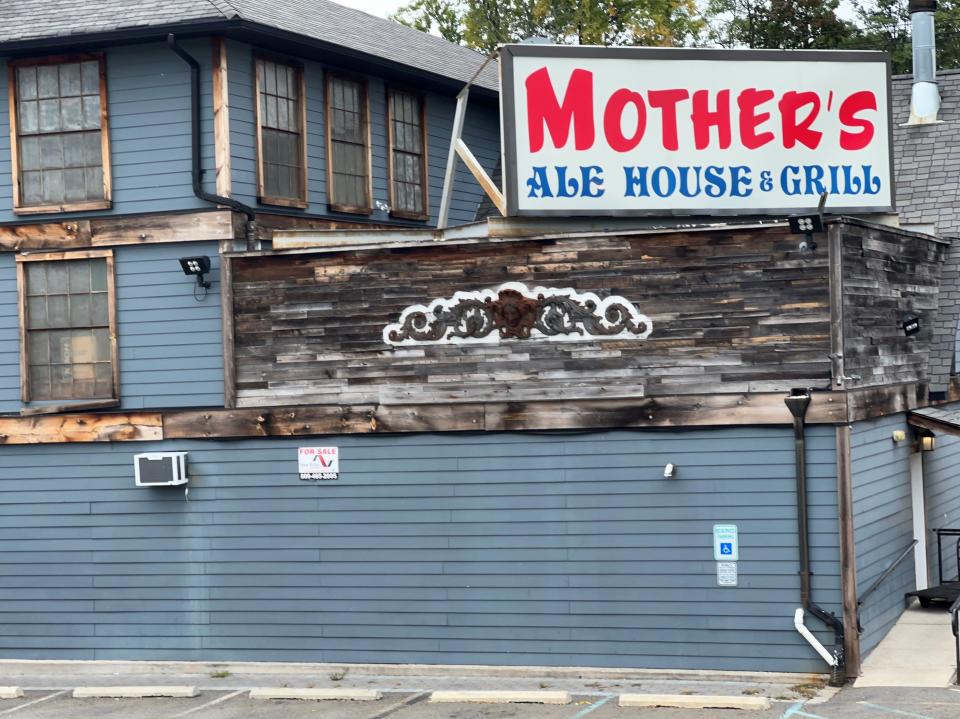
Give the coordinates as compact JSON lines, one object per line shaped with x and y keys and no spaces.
{"x":25,"y":20}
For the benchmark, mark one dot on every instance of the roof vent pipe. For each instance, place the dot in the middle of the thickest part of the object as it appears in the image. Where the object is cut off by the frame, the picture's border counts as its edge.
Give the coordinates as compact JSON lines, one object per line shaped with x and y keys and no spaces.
{"x":925,"y":98}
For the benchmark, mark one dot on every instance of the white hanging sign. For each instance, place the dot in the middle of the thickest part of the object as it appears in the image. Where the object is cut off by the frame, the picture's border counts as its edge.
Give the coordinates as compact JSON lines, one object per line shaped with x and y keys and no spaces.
{"x":655,"y":131}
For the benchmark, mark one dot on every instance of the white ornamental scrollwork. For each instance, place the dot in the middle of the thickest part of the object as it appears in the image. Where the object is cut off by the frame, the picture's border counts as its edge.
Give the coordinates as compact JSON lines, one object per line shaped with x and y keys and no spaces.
{"x":514,"y":311}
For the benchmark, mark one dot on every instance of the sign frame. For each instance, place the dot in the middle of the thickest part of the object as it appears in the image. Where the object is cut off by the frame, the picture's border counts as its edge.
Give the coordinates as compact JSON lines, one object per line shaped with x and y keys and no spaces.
{"x":508,"y":128}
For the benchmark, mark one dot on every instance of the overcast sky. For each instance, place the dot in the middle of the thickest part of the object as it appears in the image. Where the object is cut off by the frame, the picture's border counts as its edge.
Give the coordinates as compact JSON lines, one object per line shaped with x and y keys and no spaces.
{"x":374,"y":7}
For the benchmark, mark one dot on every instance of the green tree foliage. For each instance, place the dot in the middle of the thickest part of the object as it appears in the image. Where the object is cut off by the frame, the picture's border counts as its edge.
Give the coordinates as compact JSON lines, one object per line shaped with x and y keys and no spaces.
{"x":484,"y":24}
{"x":786,"y":24}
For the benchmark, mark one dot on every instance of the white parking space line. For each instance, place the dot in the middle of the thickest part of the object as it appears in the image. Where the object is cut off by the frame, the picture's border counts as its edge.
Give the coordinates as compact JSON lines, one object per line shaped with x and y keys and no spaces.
{"x":413,"y":699}
{"x":593,"y":707}
{"x":30,"y":704}
{"x":889,"y":710}
{"x":218,"y":700}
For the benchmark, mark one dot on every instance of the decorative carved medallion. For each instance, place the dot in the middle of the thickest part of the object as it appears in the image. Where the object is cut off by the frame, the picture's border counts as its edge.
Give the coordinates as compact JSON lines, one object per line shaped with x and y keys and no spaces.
{"x":513,"y":311}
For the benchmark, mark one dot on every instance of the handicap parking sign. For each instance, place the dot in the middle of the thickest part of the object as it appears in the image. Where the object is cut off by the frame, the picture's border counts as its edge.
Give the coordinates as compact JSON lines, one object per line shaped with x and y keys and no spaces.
{"x":725,"y":544}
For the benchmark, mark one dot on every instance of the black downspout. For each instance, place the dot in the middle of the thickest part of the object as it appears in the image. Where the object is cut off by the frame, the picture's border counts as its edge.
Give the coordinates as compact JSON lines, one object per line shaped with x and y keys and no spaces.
{"x":797,"y":403}
{"x":196,"y":171}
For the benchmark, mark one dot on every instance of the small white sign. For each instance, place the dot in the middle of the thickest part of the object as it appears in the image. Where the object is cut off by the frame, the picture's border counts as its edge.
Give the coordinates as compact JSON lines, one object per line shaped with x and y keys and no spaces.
{"x":725,"y":545}
{"x":318,"y":462}
{"x":727,"y":574}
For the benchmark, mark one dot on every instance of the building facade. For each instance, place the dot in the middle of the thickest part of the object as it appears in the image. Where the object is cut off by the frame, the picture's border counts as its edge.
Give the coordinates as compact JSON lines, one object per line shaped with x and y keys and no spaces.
{"x":504,"y":495}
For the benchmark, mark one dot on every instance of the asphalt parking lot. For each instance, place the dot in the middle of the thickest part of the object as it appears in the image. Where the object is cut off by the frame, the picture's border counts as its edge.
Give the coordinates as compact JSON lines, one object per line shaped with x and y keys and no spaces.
{"x":235,"y":704}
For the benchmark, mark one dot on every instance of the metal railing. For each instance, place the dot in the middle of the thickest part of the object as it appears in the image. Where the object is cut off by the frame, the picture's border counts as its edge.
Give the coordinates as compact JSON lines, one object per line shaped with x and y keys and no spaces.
{"x":879,"y":580}
{"x":954,"y":611}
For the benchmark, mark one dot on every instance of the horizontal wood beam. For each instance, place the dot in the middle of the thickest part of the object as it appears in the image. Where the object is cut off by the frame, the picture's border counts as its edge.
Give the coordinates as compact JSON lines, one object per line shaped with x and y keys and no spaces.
{"x":48,"y":429}
{"x":118,"y":231}
{"x":676,"y":411}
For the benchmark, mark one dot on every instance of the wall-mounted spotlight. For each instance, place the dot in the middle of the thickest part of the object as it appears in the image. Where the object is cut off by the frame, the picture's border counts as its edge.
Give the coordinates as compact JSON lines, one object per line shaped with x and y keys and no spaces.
{"x":807,"y":225}
{"x":926,"y":440}
{"x":198,"y":266}
{"x":911,"y":326}
{"x":669,"y":471}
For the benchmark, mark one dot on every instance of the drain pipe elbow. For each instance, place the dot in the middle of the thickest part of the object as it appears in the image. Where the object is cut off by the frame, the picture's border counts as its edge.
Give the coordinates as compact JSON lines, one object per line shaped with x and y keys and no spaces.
{"x":812,"y":640}
{"x":196,"y":173}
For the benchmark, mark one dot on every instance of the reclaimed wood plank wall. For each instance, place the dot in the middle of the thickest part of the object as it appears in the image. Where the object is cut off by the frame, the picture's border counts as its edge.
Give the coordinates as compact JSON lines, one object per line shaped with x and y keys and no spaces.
{"x":733,"y":311}
{"x":888,"y":277}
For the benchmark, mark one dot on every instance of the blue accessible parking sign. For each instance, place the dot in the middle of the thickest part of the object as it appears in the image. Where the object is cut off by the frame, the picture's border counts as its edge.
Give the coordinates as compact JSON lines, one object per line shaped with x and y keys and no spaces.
{"x":725,"y":544}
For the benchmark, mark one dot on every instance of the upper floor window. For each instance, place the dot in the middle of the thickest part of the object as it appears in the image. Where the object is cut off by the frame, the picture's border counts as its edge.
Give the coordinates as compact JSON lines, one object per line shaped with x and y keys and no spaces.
{"x":68,"y":347}
{"x":408,"y":155}
{"x":281,"y":150}
{"x":58,"y":118}
{"x":348,"y":145}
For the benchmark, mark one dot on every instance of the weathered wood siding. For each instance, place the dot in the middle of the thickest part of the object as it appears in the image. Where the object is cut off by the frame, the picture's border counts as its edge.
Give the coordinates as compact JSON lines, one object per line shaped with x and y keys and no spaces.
{"x":149,"y":101}
{"x":505,"y":548}
{"x":481,"y":133}
{"x":732,"y":311}
{"x":888,"y":276}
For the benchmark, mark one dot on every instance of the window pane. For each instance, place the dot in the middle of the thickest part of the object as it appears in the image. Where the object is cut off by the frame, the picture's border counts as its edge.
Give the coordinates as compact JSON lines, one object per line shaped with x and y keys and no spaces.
{"x":99,"y":314}
{"x":70,"y":79}
{"x":27,"y":83}
{"x":98,"y":275}
{"x":73,"y":151}
{"x":37,"y":312}
{"x":92,"y":152}
{"x":48,"y":81}
{"x":51,"y":152}
{"x":94,"y":183}
{"x":49,"y":115}
{"x":58,"y":311}
{"x":74,"y":186}
{"x":32,"y":188}
{"x":36,"y":278}
{"x":80,"y":310}
{"x":40,"y":383}
{"x":91,"y":112}
{"x":57,"y":277}
{"x":28,"y":117}
{"x":101,"y":340}
{"x":79,"y":271}
{"x":52,"y":186}
{"x":71,"y":113}
{"x":90,"y":72}
{"x":30,"y":153}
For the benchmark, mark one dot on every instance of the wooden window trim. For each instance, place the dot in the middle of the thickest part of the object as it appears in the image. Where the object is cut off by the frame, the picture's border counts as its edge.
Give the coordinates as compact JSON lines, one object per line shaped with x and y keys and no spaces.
{"x":424,"y":214}
{"x":265,"y":199}
{"x":365,"y":106}
{"x":107,"y":202}
{"x":21,"y":261}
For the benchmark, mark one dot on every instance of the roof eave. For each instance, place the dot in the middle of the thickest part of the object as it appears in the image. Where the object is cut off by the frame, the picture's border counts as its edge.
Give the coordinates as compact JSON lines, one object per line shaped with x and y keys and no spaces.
{"x":236,"y":28}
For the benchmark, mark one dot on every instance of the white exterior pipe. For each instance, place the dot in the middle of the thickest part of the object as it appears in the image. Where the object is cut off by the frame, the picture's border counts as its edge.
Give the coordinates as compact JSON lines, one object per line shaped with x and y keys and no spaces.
{"x":812,"y":640}
{"x":925,"y":96}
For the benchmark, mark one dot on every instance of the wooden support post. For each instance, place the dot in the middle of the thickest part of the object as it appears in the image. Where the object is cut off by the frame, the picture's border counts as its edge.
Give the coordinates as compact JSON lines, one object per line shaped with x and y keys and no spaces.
{"x":848,"y":556}
{"x":227,"y":319}
{"x":448,"y":177}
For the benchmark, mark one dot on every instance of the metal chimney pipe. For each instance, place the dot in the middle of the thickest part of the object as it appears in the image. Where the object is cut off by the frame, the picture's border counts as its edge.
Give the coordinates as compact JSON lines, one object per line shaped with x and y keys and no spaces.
{"x":925,"y":97}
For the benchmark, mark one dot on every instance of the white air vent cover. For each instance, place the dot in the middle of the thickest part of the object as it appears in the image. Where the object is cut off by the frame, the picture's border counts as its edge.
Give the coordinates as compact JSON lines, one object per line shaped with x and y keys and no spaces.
{"x":160,"y":469}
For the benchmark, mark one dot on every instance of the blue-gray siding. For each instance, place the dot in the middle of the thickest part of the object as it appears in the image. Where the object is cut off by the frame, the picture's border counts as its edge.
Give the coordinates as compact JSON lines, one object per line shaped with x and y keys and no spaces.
{"x":148,"y":89}
{"x":504,"y":548}
{"x":170,"y":346}
{"x":941,"y":469}
{"x":481,"y":133}
{"x":882,"y":520}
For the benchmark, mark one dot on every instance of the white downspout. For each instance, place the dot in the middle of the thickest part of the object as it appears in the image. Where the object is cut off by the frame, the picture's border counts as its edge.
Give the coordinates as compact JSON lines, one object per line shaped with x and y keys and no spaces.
{"x":808,"y":635}
{"x":919,"y":520}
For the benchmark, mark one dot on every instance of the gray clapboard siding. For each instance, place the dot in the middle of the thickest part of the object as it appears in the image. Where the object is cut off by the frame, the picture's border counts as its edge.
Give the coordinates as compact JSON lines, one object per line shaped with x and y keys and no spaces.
{"x":559,"y":549}
{"x":148,"y":90}
{"x":883,"y":521}
{"x":481,"y":132}
{"x":170,"y":345}
{"x":942,"y":501}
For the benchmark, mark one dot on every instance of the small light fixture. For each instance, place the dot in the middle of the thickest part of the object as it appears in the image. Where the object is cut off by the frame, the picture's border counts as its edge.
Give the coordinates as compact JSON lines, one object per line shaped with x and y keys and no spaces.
{"x":669,"y":471}
{"x":899,"y":436}
{"x":198,"y":266}
{"x":926,"y":440}
{"x":911,"y":326}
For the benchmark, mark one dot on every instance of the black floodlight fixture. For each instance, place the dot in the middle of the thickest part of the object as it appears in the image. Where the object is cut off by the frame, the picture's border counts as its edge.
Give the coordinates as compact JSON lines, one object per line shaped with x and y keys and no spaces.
{"x":805,"y":224}
{"x":198,"y":266}
{"x":911,"y":326}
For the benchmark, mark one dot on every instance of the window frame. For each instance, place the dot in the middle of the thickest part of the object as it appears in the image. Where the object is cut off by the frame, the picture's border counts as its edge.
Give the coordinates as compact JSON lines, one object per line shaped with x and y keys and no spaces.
{"x":329,"y":76}
{"x":301,"y":202}
{"x":12,"y":84}
{"x":424,"y":214}
{"x":22,"y":294}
